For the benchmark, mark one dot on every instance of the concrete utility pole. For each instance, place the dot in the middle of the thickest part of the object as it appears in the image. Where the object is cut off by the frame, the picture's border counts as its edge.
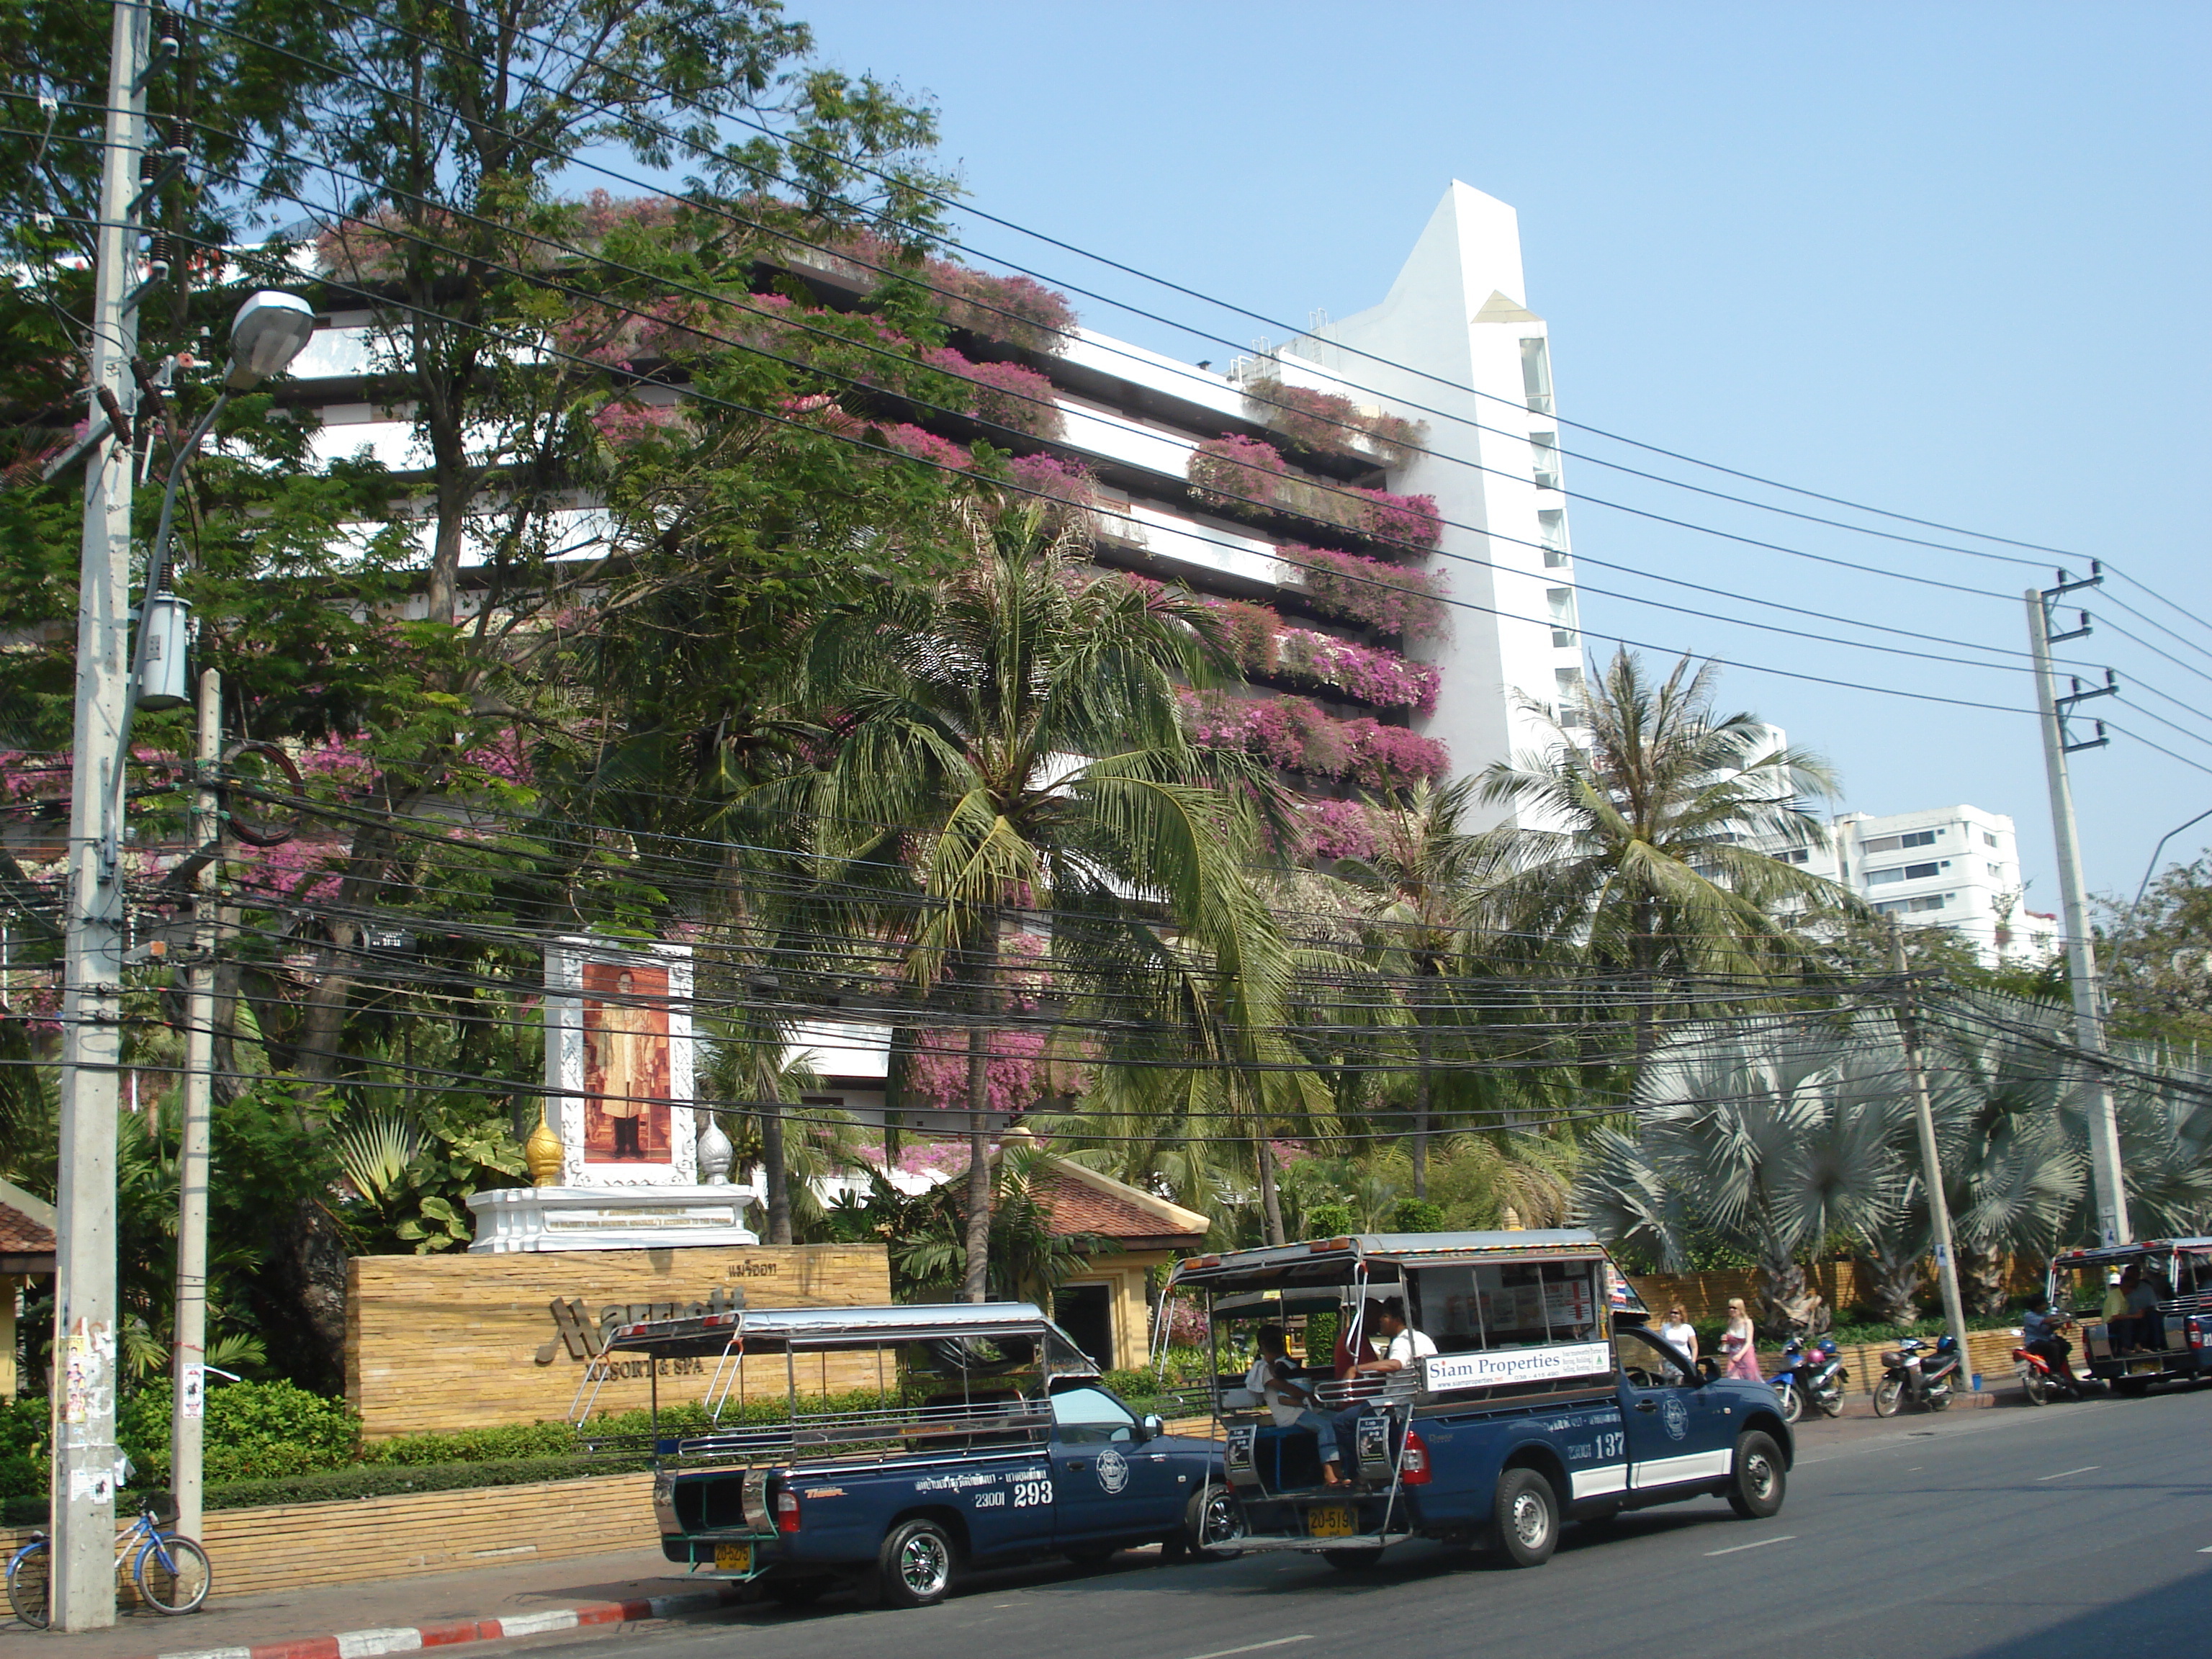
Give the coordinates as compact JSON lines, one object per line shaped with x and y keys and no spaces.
{"x":2105,"y":1169}
{"x":188,"y":1358}
{"x":84,"y":1352}
{"x":1931,"y":1164}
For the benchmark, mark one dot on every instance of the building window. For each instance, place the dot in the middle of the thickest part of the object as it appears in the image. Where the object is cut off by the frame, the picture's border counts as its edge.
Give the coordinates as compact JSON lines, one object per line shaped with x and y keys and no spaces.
{"x":1996,"y":871}
{"x":1932,"y":902}
{"x":1552,"y":529}
{"x":1891,"y":843}
{"x":1547,"y":446}
{"x":1795,"y":855}
{"x":1904,"y":873}
{"x":1561,"y":600}
{"x":1988,"y":840}
{"x":1570,"y":683}
{"x":1536,"y":374}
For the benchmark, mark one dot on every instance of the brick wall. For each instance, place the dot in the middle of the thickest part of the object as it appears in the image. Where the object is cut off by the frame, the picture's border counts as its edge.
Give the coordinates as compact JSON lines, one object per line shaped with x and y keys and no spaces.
{"x":435,"y":1343}
{"x":294,"y":1546}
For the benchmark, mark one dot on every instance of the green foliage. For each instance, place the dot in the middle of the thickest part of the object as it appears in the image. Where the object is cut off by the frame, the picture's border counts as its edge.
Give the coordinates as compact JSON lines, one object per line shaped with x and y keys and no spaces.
{"x":254,"y":1431}
{"x":1417,"y":1215}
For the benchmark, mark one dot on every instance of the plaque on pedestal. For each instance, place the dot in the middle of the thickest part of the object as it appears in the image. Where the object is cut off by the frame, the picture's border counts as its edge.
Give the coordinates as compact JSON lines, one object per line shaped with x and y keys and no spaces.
{"x":609,"y":1218}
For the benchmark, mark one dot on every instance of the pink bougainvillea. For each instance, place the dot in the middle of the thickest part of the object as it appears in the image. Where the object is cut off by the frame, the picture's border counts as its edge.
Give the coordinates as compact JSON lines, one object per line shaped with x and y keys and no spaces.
{"x":623,"y":423}
{"x":1236,"y":473}
{"x":937,"y":1070}
{"x":1047,"y":476}
{"x":1263,"y":644}
{"x":1292,"y":733}
{"x":1004,"y":394}
{"x":1391,"y":597}
{"x":1338,"y":829}
{"x":1330,"y":421}
{"x":1405,"y":520}
{"x":928,"y":446}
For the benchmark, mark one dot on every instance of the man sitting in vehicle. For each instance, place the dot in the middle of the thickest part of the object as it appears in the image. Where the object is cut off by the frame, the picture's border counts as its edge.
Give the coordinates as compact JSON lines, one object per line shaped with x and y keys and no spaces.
{"x":2038,"y":1331}
{"x":1290,"y":1398}
{"x":1408,"y":1347}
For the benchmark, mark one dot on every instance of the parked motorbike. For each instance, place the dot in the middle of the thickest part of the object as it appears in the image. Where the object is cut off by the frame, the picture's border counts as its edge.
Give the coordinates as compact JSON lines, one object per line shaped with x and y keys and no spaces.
{"x":1915,"y":1371}
{"x":1823,"y":1379}
{"x":2044,"y":1382}
{"x":1789,"y":1382}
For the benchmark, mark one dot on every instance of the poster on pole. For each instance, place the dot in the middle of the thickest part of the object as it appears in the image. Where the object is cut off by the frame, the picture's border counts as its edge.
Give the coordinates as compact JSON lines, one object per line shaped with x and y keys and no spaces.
{"x":619,"y":1062}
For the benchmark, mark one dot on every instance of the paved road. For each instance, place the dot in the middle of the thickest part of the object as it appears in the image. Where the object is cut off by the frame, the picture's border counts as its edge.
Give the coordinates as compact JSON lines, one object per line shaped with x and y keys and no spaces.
{"x":2077,"y":1532}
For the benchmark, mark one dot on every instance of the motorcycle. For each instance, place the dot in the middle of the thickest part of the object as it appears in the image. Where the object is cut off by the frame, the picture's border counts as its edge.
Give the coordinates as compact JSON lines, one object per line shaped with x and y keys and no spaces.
{"x":1823,"y":1377}
{"x":2042,"y":1381}
{"x":1913,"y":1370}
{"x":1789,"y":1382}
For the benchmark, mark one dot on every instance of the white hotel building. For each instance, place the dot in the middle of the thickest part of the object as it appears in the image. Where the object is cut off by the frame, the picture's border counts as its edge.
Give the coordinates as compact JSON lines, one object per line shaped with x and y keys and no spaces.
{"x":1947,"y":866}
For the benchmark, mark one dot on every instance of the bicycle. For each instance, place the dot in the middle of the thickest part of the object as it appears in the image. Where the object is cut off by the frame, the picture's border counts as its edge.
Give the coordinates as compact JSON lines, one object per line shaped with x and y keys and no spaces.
{"x":171,"y":1572}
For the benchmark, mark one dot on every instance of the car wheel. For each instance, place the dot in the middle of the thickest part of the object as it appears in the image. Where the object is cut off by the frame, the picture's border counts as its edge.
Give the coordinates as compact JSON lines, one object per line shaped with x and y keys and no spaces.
{"x":1525,"y":1516}
{"x":1212,"y":1522}
{"x":1759,"y":1481}
{"x":914,"y":1567}
{"x":1888,"y":1393}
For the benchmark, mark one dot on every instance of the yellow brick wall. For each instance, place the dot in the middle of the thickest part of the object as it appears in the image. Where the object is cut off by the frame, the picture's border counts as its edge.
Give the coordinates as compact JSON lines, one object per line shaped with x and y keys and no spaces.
{"x":436,"y":1343}
{"x":294,"y":1546}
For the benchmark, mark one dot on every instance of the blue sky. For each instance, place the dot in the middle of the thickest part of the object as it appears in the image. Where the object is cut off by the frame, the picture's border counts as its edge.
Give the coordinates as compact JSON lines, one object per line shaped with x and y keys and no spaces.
{"x":1948,"y":260}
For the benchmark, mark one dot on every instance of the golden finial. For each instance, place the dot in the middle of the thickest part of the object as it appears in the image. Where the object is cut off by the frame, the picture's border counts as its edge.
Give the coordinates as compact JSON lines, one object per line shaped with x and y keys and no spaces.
{"x":544,"y":1153}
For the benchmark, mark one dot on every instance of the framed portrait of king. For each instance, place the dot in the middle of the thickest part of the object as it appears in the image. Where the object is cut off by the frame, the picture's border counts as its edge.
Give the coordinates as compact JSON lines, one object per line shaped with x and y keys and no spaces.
{"x":618,"y":1063}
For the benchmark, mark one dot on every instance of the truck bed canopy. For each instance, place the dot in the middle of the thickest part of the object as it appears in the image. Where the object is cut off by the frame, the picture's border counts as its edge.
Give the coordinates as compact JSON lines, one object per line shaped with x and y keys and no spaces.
{"x":2126,"y":1253}
{"x":946,"y":1327}
{"x":1346,"y":1260}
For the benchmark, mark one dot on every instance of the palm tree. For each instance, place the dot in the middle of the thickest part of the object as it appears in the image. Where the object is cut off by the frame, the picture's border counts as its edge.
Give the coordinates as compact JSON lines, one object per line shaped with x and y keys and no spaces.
{"x":1643,"y":834}
{"x":1773,"y":1137}
{"x":1008,"y":736}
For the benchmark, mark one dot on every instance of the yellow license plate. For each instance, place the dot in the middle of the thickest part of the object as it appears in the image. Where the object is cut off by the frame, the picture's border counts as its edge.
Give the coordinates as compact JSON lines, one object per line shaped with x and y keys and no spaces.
{"x":2145,"y":1367}
{"x":734,"y":1557}
{"x":1332,"y":1520}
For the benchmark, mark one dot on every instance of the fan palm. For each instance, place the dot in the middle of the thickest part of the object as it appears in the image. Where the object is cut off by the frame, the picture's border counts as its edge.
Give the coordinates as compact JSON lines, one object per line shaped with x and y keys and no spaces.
{"x":1009,"y":737}
{"x":1640,"y":849}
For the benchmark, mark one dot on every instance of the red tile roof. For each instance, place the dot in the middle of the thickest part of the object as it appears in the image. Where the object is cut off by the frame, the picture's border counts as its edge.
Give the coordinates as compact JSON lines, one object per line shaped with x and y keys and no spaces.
{"x":1077,"y":1207}
{"x":23,"y":1235}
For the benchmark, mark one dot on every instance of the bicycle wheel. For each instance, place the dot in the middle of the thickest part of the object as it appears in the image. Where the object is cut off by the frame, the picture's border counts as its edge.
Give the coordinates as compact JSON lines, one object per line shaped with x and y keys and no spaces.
{"x":172,"y":1574}
{"x":27,"y":1583}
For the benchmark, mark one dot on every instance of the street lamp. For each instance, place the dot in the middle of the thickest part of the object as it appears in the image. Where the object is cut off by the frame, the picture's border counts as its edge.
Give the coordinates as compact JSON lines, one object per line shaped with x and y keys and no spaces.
{"x":270,"y":329}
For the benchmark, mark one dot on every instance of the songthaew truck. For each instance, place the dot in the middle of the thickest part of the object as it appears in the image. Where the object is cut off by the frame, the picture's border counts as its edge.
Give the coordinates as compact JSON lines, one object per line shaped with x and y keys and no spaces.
{"x":1514,"y":1384}
{"x":955,"y":1436}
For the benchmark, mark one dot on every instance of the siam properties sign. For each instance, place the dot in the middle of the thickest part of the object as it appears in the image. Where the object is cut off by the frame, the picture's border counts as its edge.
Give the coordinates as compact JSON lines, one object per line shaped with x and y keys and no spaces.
{"x":1491,"y":1367}
{"x":618,"y":1063}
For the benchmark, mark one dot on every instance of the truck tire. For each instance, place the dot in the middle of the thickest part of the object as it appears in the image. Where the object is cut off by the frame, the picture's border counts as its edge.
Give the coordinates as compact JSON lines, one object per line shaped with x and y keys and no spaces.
{"x":1212,"y":1521}
{"x":1525,"y":1517}
{"x":913,"y":1569}
{"x":1758,"y":1482}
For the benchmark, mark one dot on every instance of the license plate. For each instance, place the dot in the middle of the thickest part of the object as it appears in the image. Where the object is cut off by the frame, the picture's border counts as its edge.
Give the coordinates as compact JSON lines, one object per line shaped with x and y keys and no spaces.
{"x":734,"y":1557}
{"x":1332,"y":1520}
{"x":2144,"y":1368}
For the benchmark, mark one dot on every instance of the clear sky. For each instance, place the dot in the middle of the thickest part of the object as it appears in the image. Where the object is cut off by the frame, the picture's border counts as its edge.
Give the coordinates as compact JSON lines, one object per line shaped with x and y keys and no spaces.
{"x":1946,"y":259}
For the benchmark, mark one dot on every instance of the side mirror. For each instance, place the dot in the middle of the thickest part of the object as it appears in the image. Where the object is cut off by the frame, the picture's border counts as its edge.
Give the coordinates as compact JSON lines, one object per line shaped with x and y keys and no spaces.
{"x":1152,"y":1428}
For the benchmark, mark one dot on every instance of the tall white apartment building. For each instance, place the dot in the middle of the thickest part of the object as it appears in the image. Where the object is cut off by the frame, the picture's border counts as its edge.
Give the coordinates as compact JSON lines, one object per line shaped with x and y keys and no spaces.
{"x":1950,"y":866}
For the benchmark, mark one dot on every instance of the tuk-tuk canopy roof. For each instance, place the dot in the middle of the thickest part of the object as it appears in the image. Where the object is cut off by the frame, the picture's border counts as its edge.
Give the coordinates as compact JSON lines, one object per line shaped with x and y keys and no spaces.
{"x":820,"y":1330}
{"x":2109,"y":1252}
{"x":1338,"y":1260}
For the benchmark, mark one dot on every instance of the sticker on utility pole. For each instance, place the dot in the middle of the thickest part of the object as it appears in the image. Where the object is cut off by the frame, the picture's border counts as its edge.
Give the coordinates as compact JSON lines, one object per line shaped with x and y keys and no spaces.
{"x":1942,"y":1255}
{"x":191,"y":1392}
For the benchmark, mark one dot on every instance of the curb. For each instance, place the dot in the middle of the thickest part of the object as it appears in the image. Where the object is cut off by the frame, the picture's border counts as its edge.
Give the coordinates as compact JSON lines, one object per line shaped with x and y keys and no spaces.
{"x":411,"y":1638}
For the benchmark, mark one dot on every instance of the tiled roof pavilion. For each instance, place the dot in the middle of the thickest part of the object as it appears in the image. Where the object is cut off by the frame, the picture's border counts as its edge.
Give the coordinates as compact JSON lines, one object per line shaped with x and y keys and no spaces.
{"x":26,"y":1232}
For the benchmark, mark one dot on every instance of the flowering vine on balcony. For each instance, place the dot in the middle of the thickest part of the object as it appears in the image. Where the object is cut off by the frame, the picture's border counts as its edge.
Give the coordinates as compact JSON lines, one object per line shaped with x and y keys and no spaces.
{"x":1250,"y":479}
{"x":1391,"y":597}
{"x":1264,"y":644}
{"x":1332,"y":423}
{"x":1292,"y":733}
{"x":1003,"y":394}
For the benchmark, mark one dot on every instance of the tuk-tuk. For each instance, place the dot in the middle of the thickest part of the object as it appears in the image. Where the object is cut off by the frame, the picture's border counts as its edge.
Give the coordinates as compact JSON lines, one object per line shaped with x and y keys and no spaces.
{"x":2145,"y":1310}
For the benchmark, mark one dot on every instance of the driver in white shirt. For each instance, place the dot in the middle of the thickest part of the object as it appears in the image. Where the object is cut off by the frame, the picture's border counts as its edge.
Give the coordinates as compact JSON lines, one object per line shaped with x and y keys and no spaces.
{"x":1406,"y":1348}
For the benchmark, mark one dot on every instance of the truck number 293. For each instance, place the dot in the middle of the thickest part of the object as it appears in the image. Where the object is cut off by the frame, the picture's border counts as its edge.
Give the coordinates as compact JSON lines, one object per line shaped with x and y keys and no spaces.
{"x":1029,"y":1493}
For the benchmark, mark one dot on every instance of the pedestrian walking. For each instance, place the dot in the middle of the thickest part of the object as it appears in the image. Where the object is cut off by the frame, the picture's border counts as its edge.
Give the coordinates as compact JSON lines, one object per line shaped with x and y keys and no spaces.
{"x":1739,"y":1343}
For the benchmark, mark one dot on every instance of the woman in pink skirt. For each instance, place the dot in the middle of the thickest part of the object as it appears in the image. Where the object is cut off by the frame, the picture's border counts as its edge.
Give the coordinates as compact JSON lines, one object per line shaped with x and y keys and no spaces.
{"x":1738,"y":1344}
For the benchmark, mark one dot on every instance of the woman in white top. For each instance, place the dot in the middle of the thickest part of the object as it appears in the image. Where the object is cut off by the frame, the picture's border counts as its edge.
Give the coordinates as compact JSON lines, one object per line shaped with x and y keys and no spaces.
{"x":1678,"y":1333}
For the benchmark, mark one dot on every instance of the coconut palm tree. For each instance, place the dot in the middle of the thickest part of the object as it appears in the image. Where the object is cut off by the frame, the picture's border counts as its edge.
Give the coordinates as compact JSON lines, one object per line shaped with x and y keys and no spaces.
{"x":1643,"y":832}
{"x":1008,"y":737}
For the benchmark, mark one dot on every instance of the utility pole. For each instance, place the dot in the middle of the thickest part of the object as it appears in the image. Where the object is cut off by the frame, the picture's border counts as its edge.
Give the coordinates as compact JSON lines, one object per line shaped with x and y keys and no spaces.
{"x":188,"y":1358}
{"x":2105,"y":1169}
{"x":84,"y":1352}
{"x":1931,"y":1165}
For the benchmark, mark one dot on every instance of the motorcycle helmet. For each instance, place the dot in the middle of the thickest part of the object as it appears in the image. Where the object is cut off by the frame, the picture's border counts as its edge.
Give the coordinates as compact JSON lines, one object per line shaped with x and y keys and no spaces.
{"x":1947,"y":1344}
{"x":1826,"y":1347}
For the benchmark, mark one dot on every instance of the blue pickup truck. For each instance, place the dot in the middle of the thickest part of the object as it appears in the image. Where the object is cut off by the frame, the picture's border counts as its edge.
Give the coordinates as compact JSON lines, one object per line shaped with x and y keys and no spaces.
{"x":1547,"y":1397}
{"x":990,"y":1441}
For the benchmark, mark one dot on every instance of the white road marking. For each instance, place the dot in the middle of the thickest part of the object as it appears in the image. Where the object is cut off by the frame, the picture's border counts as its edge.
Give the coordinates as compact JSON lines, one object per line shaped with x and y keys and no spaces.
{"x":1252,"y":1647}
{"x":1761,"y":1544}
{"x":2062,"y":1474}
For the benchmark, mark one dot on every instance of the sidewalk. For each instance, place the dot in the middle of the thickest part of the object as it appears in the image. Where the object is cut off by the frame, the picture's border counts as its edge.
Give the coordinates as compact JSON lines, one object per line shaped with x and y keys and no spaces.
{"x":399,"y":1615}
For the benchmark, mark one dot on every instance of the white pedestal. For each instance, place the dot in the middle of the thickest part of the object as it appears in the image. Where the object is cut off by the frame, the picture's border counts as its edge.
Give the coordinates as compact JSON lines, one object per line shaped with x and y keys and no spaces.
{"x":516,"y":1218}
